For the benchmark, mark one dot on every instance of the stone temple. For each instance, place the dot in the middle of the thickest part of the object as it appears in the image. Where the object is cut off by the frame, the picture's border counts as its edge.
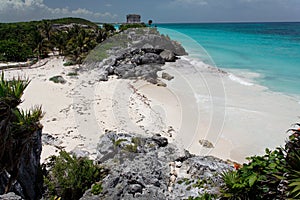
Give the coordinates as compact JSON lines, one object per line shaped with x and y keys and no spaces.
{"x":133,"y":19}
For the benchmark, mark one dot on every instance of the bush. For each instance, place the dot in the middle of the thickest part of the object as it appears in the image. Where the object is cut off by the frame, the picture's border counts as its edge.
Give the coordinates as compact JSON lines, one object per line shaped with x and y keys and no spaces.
{"x":69,"y":63}
{"x":96,"y":189}
{"x":58,"y":79}
{"x":292,"y":149}
{"x":72,"y":74}
{"x":109,"y":27}
{"x":124,"y":27}
{"x":259,"y":179}
{"x":275,"y":175}
{"x":69,"y":177}
{"x":13,"y":51}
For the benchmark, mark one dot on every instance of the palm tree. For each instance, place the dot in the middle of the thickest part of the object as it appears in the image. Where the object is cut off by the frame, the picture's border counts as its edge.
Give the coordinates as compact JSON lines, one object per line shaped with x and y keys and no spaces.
{"x":59,"y":41}
{"x":46,"y":28}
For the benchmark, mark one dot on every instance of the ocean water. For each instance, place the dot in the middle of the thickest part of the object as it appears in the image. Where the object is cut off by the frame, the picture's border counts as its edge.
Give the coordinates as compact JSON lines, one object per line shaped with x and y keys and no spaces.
{"x":268,"y":53}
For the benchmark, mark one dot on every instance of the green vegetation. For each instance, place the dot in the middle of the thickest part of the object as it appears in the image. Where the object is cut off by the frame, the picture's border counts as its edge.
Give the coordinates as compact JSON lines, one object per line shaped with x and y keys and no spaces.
{"x":109,"y":27}
{"x":69,"y":63}
{"x":74,"y":20}
{"x":275,"y":175}
{"x":96,"y":189}
{"x":257,"y":178}
{"x":70,"y":37}
{"x":205,"y":196}
{"x":101,"y":51}
{"x":58,"y":79}
{"x":118,"y":142}
{"x":11,"y":50}
{"x":72,"y":74}
{"x":17,"y":127}
{"x":69,"y":177}
{"x":124,"y":27}
{"x":133,"y":147}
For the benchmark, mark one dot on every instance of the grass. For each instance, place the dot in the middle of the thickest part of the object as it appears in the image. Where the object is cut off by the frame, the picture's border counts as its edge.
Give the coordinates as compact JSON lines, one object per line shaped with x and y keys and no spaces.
{"x":72,"y":74}
{"x":119,"y":141}
{"x":131,"y":148}
{"x":101,"y":51}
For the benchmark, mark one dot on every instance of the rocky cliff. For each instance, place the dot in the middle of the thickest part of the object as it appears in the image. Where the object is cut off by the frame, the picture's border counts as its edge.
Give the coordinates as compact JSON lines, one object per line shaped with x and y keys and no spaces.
{"x":151,"y":168}
{"x":29,"y":181}
{"x":134,"y":54}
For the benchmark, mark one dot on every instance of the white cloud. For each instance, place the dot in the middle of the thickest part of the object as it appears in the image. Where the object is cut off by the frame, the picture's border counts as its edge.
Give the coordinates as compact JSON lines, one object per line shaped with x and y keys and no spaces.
{"x":23,"y":10}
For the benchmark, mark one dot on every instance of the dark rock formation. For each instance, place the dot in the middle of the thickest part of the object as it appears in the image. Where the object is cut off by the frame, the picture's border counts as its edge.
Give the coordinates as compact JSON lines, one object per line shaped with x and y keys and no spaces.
{"x":151,"y":168}
{"x":134,"y":53}
{"x":167,"y":76}
{"x":30,"y":180}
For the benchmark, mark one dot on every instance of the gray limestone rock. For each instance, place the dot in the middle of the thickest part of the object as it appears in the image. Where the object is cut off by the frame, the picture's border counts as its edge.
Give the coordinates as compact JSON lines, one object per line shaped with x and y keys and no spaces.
{"x":130,"y":50}
{"x":168,"y":56}
{"x":167,"y":76}
{"x":10,"y":196}
{"x":150,"y":168}
{"x":29,"y":181}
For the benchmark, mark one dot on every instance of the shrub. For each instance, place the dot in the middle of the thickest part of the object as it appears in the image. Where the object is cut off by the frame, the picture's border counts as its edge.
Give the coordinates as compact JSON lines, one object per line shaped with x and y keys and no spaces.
{"x":259,"y":179}
{"x":69,"y":63}
{"x":69,"y":177}
{"x":96,"y":189}
{"x":11,"y":50}
{"x":124,"y":27}
{"x":292,"y":149}
{"x":72,"y":74}
{"x":109,"y":27}
{"x":58,"y":79}
{"x":275,"y":175}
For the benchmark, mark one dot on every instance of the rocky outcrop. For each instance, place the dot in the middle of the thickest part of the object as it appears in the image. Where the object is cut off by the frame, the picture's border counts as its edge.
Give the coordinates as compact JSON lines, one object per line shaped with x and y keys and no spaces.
{"x":29,"y":181}
{"x":134,"y":53}
{"x":10,"y":196}
{"x":151,"y":168}
{"x":168,"y":56}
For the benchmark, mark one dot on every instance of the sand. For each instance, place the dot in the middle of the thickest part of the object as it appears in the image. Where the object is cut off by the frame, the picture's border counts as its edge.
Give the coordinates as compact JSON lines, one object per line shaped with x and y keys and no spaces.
{"x":237,"y":117}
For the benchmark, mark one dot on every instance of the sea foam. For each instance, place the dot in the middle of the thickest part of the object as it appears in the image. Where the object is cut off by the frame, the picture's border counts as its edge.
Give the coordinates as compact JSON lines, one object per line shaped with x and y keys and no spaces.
{"x":239,"y":80}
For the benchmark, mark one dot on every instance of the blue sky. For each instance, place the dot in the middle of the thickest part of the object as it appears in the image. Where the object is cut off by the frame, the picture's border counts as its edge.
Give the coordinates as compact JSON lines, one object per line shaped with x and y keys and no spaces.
{"x":157,"y":10}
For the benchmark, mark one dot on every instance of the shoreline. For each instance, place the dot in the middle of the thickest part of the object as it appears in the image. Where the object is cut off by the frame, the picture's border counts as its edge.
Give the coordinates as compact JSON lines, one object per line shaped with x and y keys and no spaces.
{"x":245,"y":113}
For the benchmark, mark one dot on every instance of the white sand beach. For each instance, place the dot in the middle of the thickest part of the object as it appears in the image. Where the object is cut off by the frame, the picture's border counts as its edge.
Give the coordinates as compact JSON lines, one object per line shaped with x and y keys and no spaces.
{"x":200,"y":103}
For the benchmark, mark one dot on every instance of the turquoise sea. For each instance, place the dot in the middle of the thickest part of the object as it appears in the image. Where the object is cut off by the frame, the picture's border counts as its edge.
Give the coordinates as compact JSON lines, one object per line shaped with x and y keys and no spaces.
{"x":268,"y":52}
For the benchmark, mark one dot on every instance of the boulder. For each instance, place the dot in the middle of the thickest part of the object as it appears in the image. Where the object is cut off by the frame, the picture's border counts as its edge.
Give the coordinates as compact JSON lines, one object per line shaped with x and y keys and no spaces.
{"x":151,"y":58}
{"x":206,"y":144}
{"x":160,"y":83}
{"x":168,"y":56}
{"x":167,"y":76}
{"x":161,"y":141}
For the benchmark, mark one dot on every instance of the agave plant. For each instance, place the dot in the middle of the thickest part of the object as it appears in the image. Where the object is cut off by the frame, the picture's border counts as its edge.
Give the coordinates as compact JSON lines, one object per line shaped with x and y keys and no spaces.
{"x":16,"y":127}
{"x":292,"y":148}
{"x":11,"y":91}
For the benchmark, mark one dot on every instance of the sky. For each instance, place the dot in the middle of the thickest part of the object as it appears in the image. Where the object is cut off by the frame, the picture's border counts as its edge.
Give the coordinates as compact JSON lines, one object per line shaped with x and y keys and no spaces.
{"x":160,"y":11}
